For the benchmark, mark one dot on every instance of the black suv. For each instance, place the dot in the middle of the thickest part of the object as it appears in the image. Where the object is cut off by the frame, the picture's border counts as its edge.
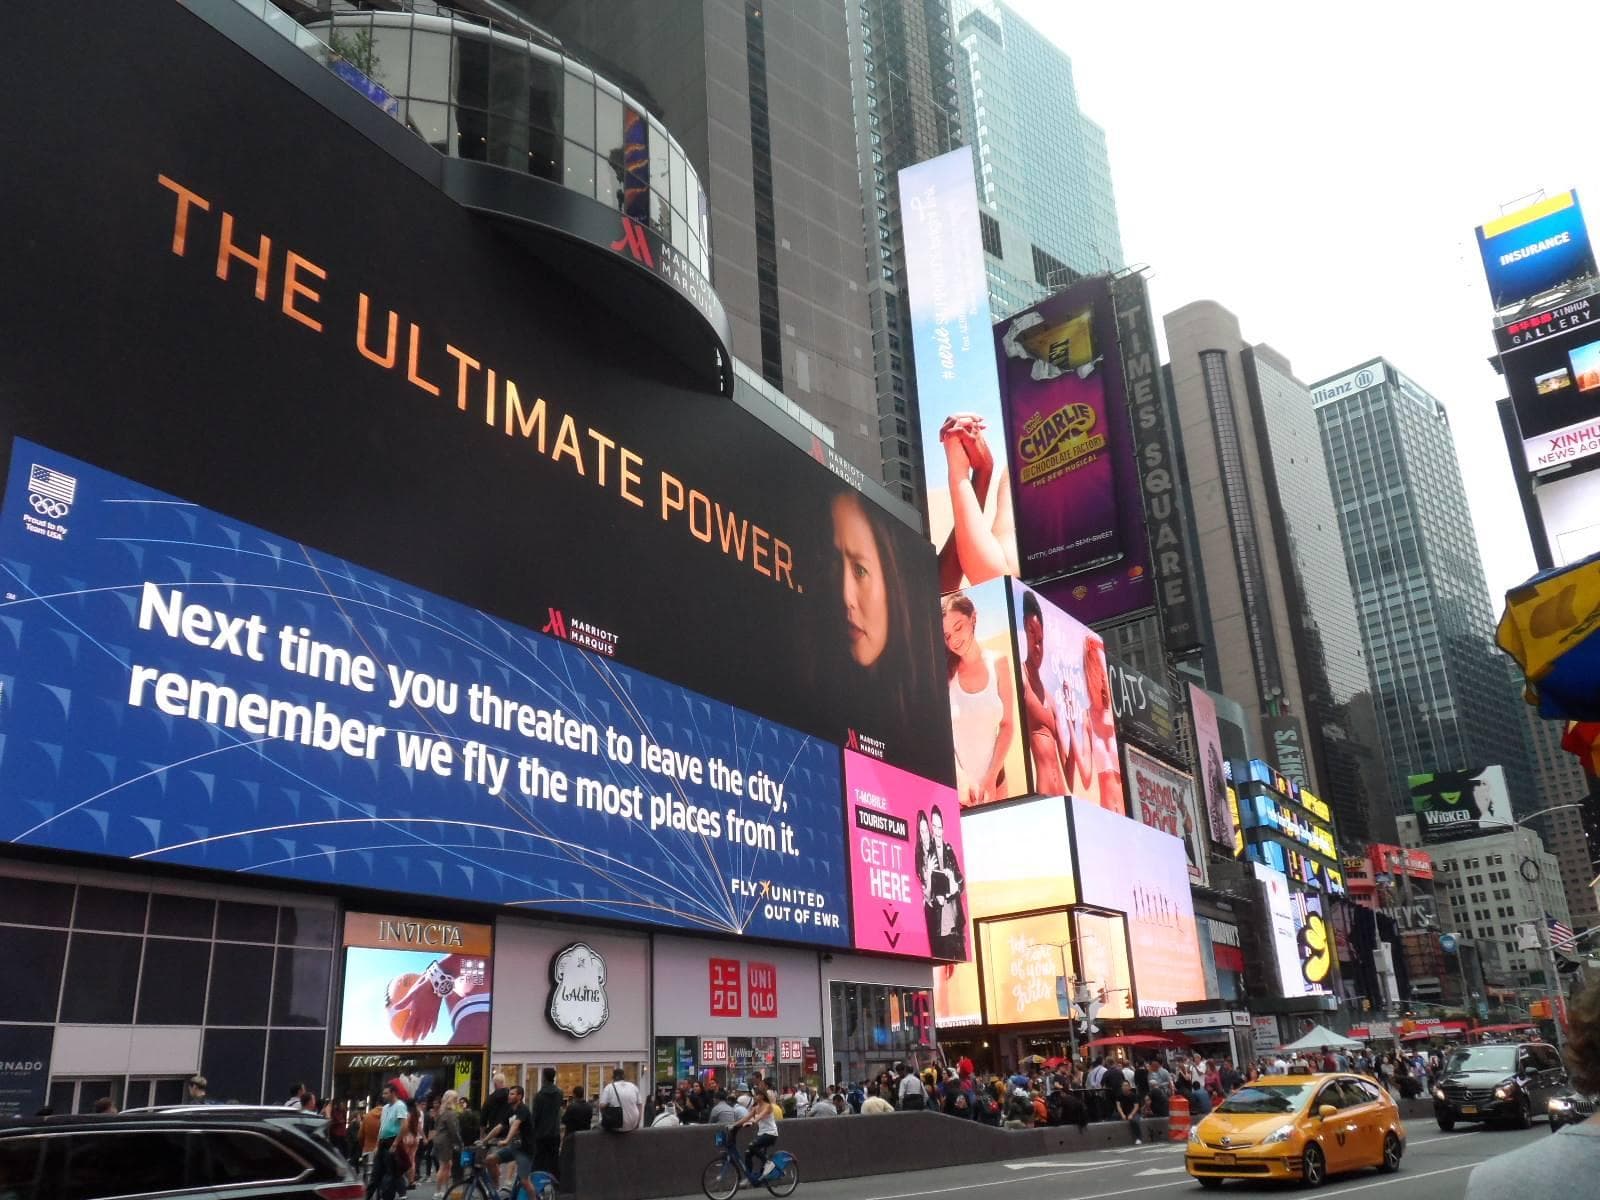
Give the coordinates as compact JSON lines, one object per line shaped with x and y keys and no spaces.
{"x":1508,"y":1082}
{"x":204,"y":1153}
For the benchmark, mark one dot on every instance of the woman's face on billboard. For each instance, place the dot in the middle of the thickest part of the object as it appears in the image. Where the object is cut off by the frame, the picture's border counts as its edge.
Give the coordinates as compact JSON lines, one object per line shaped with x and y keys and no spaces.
{"x":864,"y":591}
{"x":957,"y":631}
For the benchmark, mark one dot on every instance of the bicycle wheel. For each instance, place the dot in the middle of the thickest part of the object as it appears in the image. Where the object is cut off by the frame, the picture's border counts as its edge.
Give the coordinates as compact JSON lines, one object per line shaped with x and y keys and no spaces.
{"x":469,"y":1189}
{"x":720,"y":1179}
{"x":785,"y":1179}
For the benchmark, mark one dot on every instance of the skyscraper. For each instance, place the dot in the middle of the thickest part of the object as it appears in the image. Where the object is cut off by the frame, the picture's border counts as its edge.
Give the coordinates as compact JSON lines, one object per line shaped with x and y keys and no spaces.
{"x":759,"y":95}
{"x":1044,"y":177}
{"x":1444,"y":698}
{"x":1284,"y":640}
{"x":902,"y":71}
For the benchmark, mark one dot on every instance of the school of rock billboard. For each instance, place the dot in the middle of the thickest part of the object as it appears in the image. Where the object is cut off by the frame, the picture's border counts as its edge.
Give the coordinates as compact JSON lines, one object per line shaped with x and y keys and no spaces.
{"x":342,"y":545}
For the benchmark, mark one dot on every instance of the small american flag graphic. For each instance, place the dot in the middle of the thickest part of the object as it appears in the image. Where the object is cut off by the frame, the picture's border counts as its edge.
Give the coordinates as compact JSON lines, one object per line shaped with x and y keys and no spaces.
{"x":52,"y":483}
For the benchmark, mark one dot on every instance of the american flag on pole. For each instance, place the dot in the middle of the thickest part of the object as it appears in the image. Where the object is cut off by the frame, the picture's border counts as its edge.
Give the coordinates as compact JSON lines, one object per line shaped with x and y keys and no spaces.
{"x":1561,"y":936}
{"x":52,"y":484}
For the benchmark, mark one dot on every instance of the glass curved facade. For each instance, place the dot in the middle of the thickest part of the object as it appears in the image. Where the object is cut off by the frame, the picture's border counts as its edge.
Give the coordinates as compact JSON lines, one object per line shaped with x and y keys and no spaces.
{"x":474,"y":91}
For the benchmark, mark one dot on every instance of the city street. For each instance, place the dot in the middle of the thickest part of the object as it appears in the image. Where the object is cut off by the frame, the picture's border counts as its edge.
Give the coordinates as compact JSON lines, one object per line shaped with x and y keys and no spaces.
{"x":1436,"y":1167}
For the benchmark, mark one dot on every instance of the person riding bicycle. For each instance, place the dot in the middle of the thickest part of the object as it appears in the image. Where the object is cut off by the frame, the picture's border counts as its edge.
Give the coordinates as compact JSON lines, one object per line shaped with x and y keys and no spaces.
{"x":766,"y":1123}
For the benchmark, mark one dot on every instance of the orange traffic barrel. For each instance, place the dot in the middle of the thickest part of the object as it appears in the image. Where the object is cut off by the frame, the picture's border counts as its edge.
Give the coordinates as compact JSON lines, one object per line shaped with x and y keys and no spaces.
{"x":1178,"y":1120}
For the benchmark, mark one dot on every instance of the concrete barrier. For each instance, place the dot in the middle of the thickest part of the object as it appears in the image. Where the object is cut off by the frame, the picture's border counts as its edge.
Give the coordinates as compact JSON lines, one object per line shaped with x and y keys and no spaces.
{"x":669,"y":1162}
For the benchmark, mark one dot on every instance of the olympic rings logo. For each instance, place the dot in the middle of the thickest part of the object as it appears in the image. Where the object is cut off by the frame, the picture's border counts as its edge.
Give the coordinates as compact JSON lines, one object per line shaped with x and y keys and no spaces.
{"x":46,"y":507}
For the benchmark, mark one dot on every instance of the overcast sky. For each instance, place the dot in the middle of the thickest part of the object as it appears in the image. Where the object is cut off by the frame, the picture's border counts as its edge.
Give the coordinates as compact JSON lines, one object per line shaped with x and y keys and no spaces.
{"x":1319,"y":170}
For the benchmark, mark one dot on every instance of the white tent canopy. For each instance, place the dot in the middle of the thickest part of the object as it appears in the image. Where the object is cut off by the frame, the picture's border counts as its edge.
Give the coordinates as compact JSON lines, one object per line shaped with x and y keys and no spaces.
{"x":1321,"y":1037}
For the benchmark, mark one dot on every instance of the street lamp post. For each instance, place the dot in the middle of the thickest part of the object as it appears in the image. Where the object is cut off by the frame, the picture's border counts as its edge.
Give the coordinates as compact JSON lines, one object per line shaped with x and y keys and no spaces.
{"x":1547,"y":951}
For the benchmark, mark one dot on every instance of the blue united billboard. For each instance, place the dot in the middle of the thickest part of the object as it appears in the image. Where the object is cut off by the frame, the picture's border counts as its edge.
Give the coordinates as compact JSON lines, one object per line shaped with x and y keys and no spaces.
{"x":179,"y":687}
{"x":1535,"y":249}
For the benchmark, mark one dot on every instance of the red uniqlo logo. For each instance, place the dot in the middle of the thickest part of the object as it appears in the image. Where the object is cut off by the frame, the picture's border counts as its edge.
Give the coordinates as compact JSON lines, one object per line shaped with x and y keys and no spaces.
{"x":727,"y":999}
{"x":763,"y":990}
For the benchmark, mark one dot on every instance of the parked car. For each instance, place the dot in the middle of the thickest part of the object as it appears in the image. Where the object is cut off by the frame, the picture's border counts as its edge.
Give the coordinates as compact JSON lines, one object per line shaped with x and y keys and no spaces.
{"x":1511,"y":1081}
{"x":1569,"y":1109}
{"x":183,"y":1154}
{"x":1303,"y":1127}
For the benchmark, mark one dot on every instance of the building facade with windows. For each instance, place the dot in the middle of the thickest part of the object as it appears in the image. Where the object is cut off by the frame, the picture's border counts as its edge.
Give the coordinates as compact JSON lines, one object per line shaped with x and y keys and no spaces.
{"x":1283,"y":634}
{"x":1487,"y":886}
{"x":1444,"y":698}
{"x":1044,"y":176}
{"x":903,"y":75}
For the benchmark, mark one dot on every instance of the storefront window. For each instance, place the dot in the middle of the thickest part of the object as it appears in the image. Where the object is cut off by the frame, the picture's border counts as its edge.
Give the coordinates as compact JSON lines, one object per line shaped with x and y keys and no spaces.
{"x":731,"y":1061}
{"x":876,"y":1026}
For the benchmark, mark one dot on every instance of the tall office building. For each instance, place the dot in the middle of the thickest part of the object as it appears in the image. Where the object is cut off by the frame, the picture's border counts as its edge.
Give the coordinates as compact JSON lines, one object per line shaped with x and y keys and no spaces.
{"x":1444,"y":698}
{"x":1049,"y":214}
{"x":759,"y":95}
{"x":1283,"y":638}
{"x":1561,"y":781}
{"x":903,"y":72}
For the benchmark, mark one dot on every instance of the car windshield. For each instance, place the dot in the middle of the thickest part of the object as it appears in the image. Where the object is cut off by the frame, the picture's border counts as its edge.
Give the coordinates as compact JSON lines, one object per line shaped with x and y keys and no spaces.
{"x":1484,"y":1058}
{"x":1267,"y":1098}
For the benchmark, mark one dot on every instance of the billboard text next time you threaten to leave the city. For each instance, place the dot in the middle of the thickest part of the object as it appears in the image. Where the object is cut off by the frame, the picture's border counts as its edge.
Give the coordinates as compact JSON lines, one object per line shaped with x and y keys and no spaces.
{"x":186,"y":689}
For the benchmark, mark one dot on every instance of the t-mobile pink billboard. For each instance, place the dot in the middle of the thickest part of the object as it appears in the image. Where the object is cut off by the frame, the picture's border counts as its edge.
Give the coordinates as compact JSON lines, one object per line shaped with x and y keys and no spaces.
{"x":907,"y":873}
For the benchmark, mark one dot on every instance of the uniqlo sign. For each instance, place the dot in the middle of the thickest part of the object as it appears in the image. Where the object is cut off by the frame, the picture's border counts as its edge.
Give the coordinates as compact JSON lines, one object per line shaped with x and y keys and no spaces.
{"x":731,"y":979}
{"x":763,"y":990}
{"x":727,"y":995}
{"x":713,"y":1052}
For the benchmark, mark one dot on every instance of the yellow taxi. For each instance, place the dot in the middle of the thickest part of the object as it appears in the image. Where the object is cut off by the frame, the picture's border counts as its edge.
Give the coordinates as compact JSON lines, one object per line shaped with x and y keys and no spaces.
{"x":1303,"y":1127}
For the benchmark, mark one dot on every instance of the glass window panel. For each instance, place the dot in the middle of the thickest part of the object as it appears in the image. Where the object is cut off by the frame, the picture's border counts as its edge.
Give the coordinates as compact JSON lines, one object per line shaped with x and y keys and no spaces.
{"x":608,"y":127}
{"x":293,"y":1056}
{"x":430,"y":66}
{"x":172,"y":985}
{"x":577,"y":121}
{"x":182,"y":916}
{"x":545,"y":86}
{"x":578,"y":168}
{"x":247,"y":922}
{"x":102,"y":975}
{"x":305,"y":926}
{"x":472,"y":73}
{"x":33,"y":902}
{"x":31,"y":995}
{"x":472,"y":134}
{"x":508,"y":142}
{"x":680,"y":189}
{"x":680,"y":235}
{"x":430,"y":122}
{"x":241,"y":982}
{"x":544,"y":154}
{"x":110,"y":909}
{"x":231,"y":1060}
{"x":300,"y":987}
{"x":389,"y":62}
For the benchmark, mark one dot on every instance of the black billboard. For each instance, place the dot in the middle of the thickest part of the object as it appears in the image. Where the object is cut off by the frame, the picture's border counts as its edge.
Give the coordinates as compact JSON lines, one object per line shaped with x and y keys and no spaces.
{"x":249,"y":305}
{"x":1144,"y":709}
{"x":1552,"y":367}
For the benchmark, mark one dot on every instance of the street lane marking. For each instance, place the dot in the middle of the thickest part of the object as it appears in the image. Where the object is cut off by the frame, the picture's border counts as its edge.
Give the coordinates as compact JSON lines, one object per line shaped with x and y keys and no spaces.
{"x":1402,"y":1177}
{"x":968,"y":1187}
{"x":1033,"y":1166}
{"x":1160,"y":1171}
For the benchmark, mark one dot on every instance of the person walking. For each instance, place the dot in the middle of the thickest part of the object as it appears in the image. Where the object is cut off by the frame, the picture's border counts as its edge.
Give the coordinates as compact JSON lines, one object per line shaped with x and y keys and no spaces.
{"x":386,"y":1180}
{"x":446,"y":1141}
{"x":579,"y":1115}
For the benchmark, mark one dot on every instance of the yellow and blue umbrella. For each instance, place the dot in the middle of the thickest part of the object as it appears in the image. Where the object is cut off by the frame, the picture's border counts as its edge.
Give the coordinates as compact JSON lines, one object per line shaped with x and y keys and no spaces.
{"x":1551,"y":626}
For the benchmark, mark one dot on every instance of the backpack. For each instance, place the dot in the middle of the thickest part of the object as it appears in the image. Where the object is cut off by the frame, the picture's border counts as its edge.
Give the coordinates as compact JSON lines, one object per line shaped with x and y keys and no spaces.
{"x":1056,"y":1106}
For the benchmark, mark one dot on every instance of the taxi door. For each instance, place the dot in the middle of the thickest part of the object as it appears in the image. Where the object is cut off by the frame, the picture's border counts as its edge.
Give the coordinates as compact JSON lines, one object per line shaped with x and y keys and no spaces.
{"x":1367,"y":1113}
{"x":1337,"y":1128}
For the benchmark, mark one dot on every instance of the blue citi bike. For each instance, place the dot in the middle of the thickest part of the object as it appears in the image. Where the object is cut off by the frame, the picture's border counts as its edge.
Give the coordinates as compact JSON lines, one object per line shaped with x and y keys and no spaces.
{"x":474,"y":1182}
{"x":724,"y":1174}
